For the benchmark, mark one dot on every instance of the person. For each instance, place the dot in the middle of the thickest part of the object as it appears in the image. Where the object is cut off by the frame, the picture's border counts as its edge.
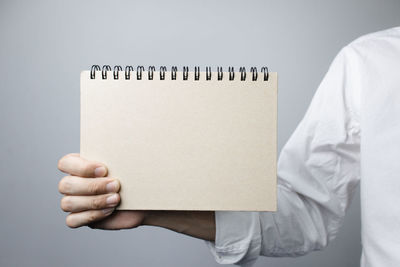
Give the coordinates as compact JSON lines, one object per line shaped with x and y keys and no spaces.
{"x":350,"y":134}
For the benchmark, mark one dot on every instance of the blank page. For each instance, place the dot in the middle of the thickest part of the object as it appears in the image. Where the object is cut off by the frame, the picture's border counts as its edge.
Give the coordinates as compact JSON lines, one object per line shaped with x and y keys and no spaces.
{"x":184,"y":144}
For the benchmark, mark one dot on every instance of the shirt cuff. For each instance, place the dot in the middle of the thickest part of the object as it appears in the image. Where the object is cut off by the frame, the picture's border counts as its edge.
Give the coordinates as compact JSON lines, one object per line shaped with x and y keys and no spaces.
{"x":237,"y":238}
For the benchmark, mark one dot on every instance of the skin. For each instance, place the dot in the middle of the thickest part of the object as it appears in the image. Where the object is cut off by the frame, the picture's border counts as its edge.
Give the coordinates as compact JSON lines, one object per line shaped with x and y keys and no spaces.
{"x":90,"y":197}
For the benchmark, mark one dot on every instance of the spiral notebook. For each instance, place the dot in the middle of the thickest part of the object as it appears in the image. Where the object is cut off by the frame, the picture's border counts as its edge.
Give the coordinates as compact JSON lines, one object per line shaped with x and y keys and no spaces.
{"x":183,"y":140}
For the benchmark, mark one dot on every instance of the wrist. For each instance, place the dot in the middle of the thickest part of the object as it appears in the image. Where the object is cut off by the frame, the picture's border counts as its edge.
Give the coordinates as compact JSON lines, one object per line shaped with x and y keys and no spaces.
{"x":199,"y":224}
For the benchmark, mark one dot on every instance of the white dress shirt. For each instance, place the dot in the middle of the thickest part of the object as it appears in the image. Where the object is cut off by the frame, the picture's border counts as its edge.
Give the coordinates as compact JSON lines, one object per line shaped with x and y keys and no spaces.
{"x":350,"y":134}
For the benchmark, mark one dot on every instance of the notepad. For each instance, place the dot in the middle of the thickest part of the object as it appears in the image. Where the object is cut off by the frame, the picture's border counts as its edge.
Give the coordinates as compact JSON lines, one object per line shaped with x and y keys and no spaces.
{"x":183,"y":140}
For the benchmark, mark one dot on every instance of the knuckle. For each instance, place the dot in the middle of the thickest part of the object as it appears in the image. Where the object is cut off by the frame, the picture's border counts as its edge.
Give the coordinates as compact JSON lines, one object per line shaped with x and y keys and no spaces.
{"x":97,"y":203}
{"x":94,"y":187}
{"x":66,"y":204}
{"x":87,"y":169}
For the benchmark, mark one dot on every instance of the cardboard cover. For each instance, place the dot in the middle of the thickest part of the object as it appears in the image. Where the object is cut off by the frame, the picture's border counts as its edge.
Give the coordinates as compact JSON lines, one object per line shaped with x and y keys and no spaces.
{"x":184,"y":144}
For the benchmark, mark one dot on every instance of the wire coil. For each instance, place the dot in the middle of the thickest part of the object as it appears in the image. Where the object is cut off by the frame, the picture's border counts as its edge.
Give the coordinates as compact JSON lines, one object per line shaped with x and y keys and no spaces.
{"x":254,"y":72}
{"x":196,"y":73}
{"x":208,"y":73}
{"x":150,"y":73}
{"x":174,"y":70}
{"x":220,"y":73}
{"x":104,"y":71}
{"x":163,"y":69}
{"x":116,"y":71}
{"x":185,"y":73}
{"x":231,"y":71}
{"x":139,"y":72}
{"x":242,"y":73}
{"x":128,"y":70}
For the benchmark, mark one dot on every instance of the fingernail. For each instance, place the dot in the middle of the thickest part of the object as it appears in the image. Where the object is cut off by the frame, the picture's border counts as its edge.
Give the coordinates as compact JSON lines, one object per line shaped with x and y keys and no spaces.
{"x":108,"y":211}
{"x":113,"y":199}
{"x":112,"y":186}
{"x":100,"y":171}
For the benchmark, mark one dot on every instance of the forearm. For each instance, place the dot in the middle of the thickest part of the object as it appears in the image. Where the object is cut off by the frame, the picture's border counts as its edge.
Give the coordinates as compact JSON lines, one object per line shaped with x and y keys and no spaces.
{"x":199,"y":224}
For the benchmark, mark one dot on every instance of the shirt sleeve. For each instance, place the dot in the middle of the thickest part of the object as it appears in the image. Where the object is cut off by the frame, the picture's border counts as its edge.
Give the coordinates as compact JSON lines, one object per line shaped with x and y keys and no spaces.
{"x":318,"y":171}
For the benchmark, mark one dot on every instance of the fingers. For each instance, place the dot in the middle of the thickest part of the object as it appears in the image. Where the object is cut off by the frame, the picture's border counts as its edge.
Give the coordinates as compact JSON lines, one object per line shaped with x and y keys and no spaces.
{"x":79,"y":219}
{"x":75,"y":165}
{"x":74,"y":185}
{"x":82,"y":203}
{"x":88,"y":200}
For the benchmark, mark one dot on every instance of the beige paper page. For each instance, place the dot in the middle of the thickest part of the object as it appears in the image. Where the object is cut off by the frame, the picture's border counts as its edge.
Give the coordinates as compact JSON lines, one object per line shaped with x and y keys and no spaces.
{"x":184,"y":145}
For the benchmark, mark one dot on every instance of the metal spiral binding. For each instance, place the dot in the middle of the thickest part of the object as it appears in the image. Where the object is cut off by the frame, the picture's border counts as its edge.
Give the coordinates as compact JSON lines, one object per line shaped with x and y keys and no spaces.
{"x":196,"y":73}
{"x":93,"y":71}
{"x":254,"y":73}
{"x":220,"y":73}
{"x":208,"y":73}
{"x":150,"y":73}
{"x":139,"y":71}
{"x":117,"y":69}
{"x":185,"y":73}
{"x":242,"y":73}
{"x":174,"y":69}
{"x":104,"y":71}
{"x":151,"y":70}
{"x":231,"y":73}
{"x":128,"y":70}
{"x":266,"y":73}
{"x":163,"y":69}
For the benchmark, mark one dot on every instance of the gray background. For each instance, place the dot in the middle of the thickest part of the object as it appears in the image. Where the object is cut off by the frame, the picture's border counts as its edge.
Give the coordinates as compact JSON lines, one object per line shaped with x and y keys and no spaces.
{"x":45,"y":44}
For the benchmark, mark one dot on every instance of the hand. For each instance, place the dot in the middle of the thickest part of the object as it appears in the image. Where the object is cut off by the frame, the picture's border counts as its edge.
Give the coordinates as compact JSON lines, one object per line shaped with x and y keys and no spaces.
{"x":91,"y":197}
